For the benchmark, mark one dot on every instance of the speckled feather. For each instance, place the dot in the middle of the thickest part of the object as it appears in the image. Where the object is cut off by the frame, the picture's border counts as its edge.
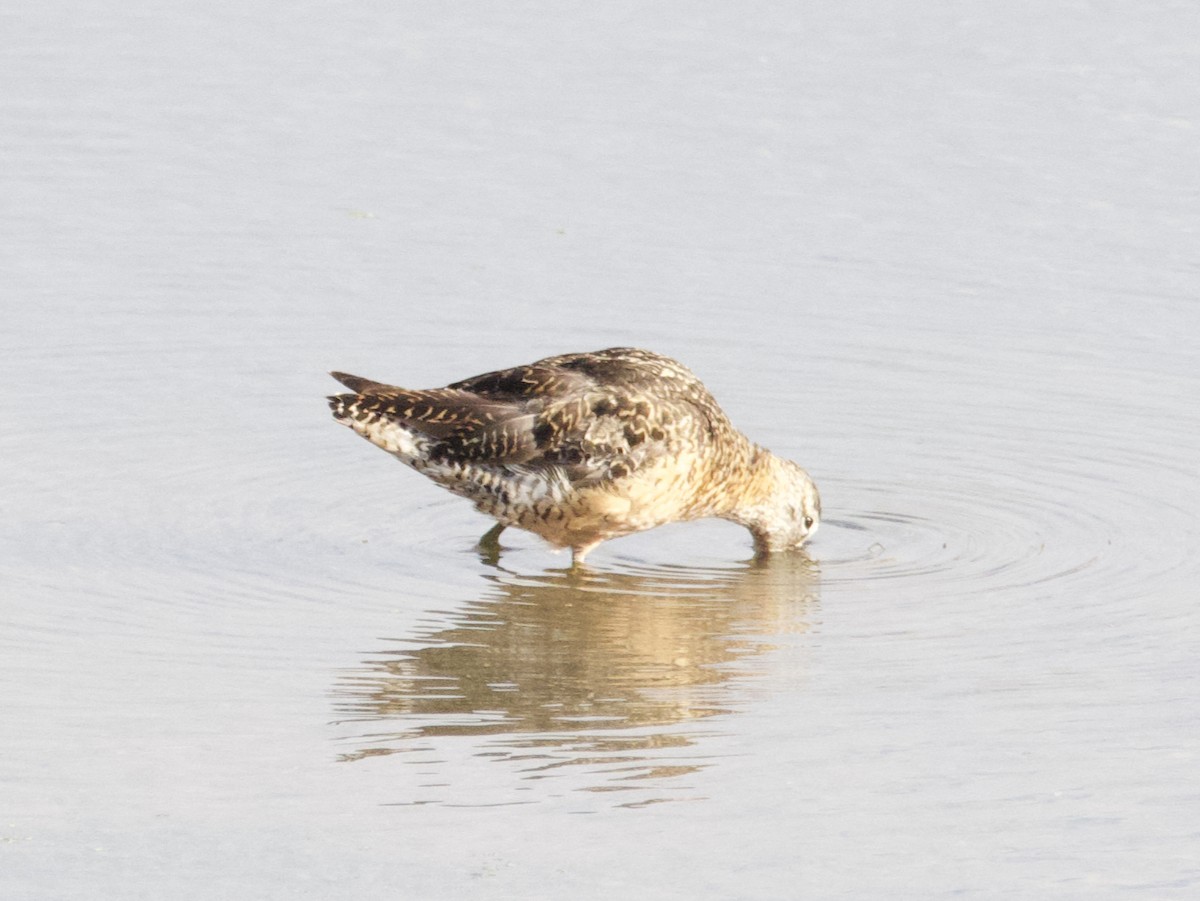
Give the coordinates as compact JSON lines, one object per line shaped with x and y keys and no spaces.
{"x":580,"y":448}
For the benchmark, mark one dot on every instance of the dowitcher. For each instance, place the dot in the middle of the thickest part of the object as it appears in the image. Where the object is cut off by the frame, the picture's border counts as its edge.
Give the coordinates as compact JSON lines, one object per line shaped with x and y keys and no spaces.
{"x":584,"y":447}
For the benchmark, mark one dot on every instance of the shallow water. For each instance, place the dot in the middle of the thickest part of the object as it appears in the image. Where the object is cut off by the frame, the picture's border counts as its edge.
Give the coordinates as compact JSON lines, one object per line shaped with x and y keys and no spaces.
{"x":946,"y":259}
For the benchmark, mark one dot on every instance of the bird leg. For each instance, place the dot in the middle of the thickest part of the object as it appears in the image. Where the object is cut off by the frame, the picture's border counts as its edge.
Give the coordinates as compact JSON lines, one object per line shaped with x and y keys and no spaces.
{"x":491,"y":538}
{"x":578,"y":553}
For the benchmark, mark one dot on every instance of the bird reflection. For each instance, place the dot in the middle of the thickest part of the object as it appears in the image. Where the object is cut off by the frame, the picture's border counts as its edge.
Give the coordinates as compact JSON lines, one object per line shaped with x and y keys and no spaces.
{"x":608,"y":670}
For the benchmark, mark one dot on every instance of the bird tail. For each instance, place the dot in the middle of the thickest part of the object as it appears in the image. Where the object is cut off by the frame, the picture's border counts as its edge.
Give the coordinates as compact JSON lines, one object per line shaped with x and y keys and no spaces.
{"x":458,"y":422}
{"x":359,"y":385}
{"x":371,"y":414}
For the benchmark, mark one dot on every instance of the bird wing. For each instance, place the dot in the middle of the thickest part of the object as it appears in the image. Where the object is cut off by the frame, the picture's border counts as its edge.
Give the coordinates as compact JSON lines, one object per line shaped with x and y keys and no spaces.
{"x":590,"y":419}
{"x":591,"y":416}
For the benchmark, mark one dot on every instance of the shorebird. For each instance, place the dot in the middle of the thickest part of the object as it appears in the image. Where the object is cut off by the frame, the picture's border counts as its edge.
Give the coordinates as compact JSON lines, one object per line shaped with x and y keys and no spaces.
{"x":584,"y":447}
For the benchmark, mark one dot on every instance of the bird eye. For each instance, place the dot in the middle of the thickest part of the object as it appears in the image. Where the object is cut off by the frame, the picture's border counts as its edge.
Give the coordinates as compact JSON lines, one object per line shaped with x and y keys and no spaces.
{"x":808,"y":522}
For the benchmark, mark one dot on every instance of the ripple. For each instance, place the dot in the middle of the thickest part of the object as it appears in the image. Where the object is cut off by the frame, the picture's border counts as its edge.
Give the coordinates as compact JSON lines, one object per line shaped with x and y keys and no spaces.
{"x":1061,"y":523}
{"x":970,"y":538}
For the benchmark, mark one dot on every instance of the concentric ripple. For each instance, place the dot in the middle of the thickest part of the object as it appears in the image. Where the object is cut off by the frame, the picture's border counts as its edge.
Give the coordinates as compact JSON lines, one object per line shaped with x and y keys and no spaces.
{"x":1059,"y":488}
{"x":978,"y":536}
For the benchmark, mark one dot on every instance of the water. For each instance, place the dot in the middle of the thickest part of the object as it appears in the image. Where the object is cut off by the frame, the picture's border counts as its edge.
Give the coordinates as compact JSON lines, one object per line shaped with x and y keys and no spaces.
{"x":944,"y":258}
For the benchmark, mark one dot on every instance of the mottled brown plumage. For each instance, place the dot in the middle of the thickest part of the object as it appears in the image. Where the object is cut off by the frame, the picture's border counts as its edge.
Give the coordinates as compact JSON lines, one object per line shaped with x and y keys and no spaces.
{"x":584,"y":447}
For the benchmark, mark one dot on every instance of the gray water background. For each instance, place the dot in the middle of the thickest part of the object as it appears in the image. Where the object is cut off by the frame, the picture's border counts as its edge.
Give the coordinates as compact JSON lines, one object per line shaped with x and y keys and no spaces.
{"x":944,"y":255}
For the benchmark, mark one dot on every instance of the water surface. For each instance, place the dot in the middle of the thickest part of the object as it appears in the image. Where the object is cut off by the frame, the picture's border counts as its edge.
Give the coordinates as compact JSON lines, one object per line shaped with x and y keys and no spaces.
{"x":944,"y":258}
